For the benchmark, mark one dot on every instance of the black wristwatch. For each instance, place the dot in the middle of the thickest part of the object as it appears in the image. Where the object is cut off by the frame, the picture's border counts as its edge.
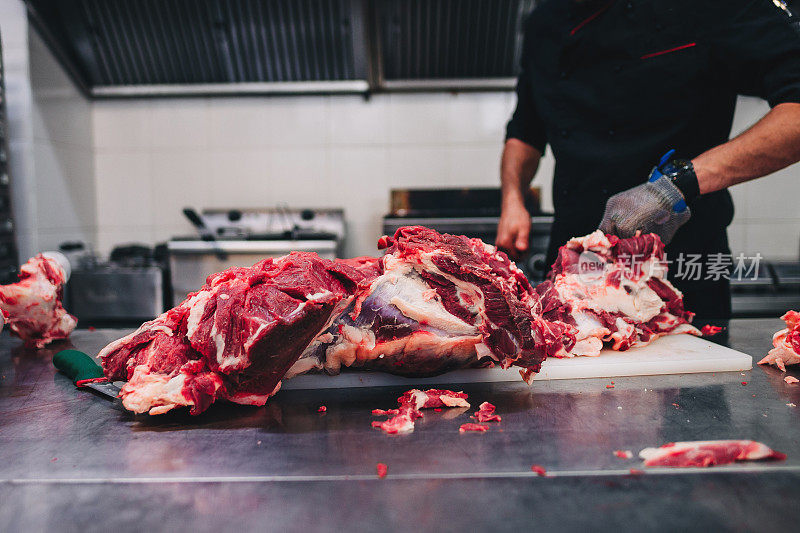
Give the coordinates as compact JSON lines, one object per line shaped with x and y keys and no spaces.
{"x":681,"y":173}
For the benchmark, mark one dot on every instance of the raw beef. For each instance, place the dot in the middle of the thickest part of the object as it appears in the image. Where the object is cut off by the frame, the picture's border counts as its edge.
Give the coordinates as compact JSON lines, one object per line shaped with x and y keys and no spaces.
{"x":709,"y":331}
{"x":411,"y":403}
{"x":486,"y":413}
{"x":32,"y":306}
{"x":441,"y":302}
{"x":707,"y":453}
{"x":609,"y":290}
{"x":434,"y":302}
{"x":471,"y":426}
{"x":786,"y":343}
{"x":539,"y":470}
{"x":236,"y":337}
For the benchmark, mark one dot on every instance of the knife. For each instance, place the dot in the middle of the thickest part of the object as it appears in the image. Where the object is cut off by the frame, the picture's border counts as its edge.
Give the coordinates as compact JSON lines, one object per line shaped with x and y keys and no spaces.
{"x":82,"y":369}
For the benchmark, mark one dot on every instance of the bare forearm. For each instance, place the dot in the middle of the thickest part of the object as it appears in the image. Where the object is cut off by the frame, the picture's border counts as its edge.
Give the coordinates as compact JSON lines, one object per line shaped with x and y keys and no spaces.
{"x":518,"y":166}
{"x":769,"y":145}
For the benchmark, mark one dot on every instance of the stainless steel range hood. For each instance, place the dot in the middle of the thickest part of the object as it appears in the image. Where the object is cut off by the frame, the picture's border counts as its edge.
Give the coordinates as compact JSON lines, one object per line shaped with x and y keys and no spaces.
{"x":137,"y":48}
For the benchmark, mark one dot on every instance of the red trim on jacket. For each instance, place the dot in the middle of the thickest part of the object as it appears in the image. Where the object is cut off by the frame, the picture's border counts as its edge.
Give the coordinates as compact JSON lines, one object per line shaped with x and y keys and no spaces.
{"x":681,"y":47}
{"x":590,"y":18}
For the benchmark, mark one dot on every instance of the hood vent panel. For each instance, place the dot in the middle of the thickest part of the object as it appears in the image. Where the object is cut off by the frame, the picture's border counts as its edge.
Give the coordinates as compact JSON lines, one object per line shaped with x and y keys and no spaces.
{"x":180,"y":47}
{"x":450,"y":39}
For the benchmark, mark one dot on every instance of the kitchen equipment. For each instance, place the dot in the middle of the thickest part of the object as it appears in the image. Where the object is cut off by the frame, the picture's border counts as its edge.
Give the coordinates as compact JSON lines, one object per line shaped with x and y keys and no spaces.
{"x":205,"y":234}
{"x":83,"y":370}
{"x":473,"y":212}
{"x":771,"y":291}
{"x":242,"y":237}
{"x":673,"y":354}
{"x":126,"y":290}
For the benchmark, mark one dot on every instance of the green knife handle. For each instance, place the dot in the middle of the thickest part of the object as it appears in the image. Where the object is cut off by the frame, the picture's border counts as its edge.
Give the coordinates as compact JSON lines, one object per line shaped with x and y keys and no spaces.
{"x":77,"y":365}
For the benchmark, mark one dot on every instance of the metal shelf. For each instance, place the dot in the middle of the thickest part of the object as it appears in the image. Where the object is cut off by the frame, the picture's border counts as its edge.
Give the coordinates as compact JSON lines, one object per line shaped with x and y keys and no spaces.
{"x":9,"y":260}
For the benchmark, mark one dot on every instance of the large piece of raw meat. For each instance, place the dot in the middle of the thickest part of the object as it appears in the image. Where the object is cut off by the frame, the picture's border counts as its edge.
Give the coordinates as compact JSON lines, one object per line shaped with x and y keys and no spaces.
{"x":236,"y":337}
{"x":612,"y":292}
{"x":441,"y":302}
{"x":433,"y":303}
{"x":786,"y":343}
{"x":32,"y":307}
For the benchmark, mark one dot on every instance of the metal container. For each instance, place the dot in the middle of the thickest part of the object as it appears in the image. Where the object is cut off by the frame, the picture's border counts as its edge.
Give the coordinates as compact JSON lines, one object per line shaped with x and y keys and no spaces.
{"x":112,"y":294}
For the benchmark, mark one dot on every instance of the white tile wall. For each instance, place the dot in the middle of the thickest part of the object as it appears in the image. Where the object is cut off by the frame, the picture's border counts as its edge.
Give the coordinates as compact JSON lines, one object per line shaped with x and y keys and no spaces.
{"x":124,"y":196}
{"x":63,"y":154}
{"x":121,"y":127}
{"x":340,"y":151}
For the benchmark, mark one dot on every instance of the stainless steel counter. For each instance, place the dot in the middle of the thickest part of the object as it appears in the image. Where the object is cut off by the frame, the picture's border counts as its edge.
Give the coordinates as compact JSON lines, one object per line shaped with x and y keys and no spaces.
{"x":70,"y":460}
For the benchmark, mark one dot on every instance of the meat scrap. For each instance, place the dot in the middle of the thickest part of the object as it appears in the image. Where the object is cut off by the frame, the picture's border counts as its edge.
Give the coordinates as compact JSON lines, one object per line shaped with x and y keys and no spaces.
{"x":791,"y":380}
{"x":471,"y":426}
{"x":786,"y":343}
{"x":382,"y":470}
{"x":708,"y":453}
{"x":623,"y":454}
{"x":410,"y":404}
{"x":539,"y":470}
{"x":32,"y":306}
{"x":709,"y":331}
{"x":485,"y":413}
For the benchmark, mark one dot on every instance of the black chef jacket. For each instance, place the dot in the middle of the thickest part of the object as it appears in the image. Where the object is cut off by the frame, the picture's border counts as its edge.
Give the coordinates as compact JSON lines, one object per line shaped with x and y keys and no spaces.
{"x":611,"y":86}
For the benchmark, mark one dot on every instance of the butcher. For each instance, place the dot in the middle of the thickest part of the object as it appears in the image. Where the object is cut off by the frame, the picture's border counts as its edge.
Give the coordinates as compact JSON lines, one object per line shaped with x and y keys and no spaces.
{"x":636,"y":100}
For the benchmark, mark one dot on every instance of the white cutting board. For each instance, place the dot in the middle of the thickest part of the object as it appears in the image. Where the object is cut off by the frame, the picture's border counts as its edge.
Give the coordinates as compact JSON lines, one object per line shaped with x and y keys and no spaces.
{"x":675,"y":354}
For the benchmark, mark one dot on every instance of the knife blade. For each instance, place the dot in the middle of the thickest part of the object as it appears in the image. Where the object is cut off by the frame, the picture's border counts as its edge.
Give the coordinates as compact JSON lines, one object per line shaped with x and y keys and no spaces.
{"x":82,"y":369}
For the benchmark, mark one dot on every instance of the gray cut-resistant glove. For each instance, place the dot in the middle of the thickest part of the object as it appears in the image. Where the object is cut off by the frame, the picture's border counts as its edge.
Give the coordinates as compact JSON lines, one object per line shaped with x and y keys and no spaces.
{"x":658,"y":206}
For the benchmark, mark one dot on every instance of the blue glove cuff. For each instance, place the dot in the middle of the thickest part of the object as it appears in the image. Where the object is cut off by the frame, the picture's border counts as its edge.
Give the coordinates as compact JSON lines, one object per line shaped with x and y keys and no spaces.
{"x":680,"y":174}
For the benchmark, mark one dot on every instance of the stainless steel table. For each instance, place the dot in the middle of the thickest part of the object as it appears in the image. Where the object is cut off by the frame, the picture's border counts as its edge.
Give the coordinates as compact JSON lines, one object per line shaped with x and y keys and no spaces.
{"x":71,"y":460}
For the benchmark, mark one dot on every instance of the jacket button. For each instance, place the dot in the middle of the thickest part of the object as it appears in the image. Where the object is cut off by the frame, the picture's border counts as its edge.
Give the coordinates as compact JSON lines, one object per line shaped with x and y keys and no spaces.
{"x":611,"y":132}
{"x":617,"y":68}
{"x":564,"y":133}
{"x":562,"y":75}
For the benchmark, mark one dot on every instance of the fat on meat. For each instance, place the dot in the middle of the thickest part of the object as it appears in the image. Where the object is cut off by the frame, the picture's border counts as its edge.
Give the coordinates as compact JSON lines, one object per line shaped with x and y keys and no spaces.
{"x":433,"y":303}
{"x":786,"y":343}
{"x":441,"y":302}
{"x":708,"y":453}
{"x":236,"y":337}
{"x":32,"y":307}
{"x":612,"y":292}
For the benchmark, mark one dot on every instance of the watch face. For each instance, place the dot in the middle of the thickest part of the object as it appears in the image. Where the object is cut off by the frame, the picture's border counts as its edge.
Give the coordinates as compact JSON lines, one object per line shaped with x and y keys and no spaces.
{"x":675,"y":167}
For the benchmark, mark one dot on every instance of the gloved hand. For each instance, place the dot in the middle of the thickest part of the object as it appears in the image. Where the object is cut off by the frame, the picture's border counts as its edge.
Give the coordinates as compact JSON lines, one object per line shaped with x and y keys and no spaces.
{"x":658,"y":206}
